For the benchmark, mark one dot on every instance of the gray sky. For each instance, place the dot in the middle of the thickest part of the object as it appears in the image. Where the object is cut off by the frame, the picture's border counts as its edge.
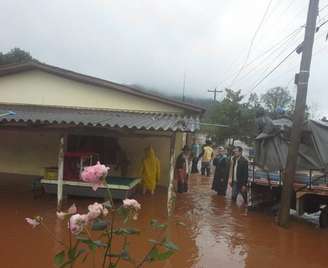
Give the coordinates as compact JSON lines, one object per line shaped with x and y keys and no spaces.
{"x":152,"y":42}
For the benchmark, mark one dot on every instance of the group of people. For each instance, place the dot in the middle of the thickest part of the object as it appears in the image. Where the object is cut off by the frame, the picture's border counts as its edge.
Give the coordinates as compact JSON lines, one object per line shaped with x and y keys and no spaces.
{"x":229,"y":170}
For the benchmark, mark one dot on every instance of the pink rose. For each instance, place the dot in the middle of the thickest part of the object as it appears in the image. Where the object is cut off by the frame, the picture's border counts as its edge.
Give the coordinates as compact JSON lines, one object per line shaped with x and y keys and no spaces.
{"x":94,"y":174}
{"x":131,"y":203}
{"x":77,"y":223}
{"x":95,"y":210}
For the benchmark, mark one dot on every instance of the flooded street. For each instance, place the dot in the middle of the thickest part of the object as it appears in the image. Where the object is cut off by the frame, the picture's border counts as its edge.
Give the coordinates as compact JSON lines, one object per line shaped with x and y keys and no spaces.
{"x":217,"y":233}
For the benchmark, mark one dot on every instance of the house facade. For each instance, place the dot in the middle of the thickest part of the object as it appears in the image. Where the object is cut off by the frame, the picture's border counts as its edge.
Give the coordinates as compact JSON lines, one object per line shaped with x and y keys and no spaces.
{"x":50,"y":103}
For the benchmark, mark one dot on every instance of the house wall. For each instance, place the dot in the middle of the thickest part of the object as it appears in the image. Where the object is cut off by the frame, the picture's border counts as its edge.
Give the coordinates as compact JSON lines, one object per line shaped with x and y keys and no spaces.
{"x":135,"y":150}
{"x":41,"y":88}
{"x":27,"y":153}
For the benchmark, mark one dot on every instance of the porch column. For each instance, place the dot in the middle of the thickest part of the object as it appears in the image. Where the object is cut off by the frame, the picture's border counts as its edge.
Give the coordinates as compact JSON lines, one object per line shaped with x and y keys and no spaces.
{"x":60,"y":172}
{"x":171,"y":195}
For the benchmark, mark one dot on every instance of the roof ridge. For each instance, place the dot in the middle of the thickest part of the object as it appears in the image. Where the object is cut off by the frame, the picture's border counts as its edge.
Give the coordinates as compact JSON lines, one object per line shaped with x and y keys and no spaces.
{"x":69,"y":74}
{"x":88,"y":108}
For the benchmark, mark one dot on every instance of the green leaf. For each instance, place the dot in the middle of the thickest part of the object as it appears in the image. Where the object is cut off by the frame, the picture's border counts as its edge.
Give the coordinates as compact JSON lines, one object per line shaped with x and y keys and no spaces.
{"x":71,"y":253}
{"x":153,"y":255}
{"x":123,"y":213}
{"x":59,"y":258}
{"x":99,"y":243}
{"x":165,"y":255}
{"x":82,"y":238}
{"x":92,"y":244}
{"x":126,"y":231}
{"x":156,"y":255}
{"x":157,"y":225}
{"x":107,"y":204}
{"x":99,"y":225}
{"x":170,"y":245}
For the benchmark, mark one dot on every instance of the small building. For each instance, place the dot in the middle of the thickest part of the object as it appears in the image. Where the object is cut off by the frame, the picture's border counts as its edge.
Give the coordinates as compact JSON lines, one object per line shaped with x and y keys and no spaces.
{"x":57,"y":109}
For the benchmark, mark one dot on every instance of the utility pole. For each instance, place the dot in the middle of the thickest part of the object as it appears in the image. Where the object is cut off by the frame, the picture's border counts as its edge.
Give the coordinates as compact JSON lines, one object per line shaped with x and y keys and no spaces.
{"x":184,"y":86}
{"x":215,"y":91}
{"x":298,"y":120}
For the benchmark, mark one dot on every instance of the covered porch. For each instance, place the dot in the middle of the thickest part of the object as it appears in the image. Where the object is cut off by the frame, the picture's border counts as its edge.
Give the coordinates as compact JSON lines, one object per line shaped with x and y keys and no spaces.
{"x":38,"y":138}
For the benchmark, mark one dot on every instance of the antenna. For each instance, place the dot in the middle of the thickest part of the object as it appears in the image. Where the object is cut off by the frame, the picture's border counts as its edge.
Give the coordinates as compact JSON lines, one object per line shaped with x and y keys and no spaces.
{"x":184,"y":86}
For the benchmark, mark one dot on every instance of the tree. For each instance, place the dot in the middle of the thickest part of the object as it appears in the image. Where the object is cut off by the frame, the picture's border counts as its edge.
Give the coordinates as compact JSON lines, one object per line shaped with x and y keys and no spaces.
{"x":15,"y":55}
{"x":277,"y":97}
{"x":238,"y":116}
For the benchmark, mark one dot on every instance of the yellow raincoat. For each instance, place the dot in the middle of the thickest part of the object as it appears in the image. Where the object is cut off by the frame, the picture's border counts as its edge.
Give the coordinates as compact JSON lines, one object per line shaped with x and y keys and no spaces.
{"x":150,"y":169}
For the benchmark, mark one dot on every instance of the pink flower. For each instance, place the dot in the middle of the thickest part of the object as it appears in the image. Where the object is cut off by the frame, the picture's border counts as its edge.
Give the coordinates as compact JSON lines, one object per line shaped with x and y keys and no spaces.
{"x":62,"y":215}
{"x":33,"y":222}
{"x":77,"y":223}
{"x":94,"y":174}
{"x":95,"y":210}
{"x":131,"y":203}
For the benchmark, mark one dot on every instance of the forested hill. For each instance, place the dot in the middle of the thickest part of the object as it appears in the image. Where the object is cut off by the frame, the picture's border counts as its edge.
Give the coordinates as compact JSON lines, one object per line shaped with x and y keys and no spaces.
{"x":202,"y":102}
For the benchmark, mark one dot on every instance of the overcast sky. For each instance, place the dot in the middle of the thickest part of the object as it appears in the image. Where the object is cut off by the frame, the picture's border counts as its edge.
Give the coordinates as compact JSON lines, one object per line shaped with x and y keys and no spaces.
{"x":154,"y":42}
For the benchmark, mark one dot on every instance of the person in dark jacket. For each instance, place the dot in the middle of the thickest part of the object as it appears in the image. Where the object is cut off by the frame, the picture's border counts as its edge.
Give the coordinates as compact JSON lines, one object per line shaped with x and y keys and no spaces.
{"x":238,"y":173}
{"x":221,"y":163}
{"x":181,"y":171}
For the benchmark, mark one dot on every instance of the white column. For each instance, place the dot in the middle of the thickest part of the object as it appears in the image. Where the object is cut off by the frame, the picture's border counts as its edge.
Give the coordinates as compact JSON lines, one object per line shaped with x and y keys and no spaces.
{"x":60,"y":172}
{"x":171,"y":195}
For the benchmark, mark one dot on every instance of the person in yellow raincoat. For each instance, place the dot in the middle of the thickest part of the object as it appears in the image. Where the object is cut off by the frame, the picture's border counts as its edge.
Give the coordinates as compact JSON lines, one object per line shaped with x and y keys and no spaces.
{"x":150,"y":170}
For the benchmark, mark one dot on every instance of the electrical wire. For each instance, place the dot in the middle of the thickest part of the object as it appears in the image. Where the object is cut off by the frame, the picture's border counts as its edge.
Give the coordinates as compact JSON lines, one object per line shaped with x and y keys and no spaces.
{"x":324,"y":7}
{"x":270,"y":50}
{"x":282,"y":47}
{"x":281,"y":62}
{"x":275,"y":68}
{"x":252,"y":41}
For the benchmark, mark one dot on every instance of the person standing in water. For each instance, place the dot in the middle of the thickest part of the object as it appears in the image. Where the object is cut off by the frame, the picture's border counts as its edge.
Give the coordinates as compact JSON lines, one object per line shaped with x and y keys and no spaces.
{"x":150,"y":171}
{"x":207,"y":156}
{"x":181,"y":171}
{"x":238,"y":173}
{"x":195,"y":150}
{"x":221,"y":163}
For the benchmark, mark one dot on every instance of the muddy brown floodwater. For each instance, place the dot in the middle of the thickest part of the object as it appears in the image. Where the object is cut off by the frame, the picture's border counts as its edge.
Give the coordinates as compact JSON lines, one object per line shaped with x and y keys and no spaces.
{"x":217,"y":233}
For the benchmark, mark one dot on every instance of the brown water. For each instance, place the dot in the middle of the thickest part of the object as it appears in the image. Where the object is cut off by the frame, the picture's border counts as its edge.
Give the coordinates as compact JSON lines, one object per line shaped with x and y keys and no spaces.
{"x":217,"y":233}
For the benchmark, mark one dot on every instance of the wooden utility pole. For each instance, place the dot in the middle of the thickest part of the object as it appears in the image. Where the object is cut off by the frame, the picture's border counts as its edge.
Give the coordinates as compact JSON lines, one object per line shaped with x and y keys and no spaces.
{"x":298,"y":120}
{"x":215,"y":91}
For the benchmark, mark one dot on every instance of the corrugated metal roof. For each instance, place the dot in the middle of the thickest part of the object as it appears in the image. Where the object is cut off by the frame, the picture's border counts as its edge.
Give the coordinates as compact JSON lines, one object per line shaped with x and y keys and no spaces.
{"x":98,"y":118}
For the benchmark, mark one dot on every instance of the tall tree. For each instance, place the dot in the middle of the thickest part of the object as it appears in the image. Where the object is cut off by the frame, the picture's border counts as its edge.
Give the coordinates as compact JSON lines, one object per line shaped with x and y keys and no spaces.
{"x":277,"y":97}
{"x":234,"y":113}
{"x":15,"y":55}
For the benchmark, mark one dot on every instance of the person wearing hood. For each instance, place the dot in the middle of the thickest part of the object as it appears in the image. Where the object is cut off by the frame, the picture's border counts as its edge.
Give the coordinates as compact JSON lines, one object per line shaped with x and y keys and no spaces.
{"x":150,"y":171}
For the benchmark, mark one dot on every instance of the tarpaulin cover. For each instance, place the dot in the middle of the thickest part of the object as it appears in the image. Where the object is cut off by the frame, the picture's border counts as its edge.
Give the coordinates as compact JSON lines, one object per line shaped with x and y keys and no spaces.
{"x":272,"y":146}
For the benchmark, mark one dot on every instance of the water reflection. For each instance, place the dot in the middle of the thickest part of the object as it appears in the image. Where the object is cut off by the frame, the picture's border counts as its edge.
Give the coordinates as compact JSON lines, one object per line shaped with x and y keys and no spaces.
{"x":217,"y":233}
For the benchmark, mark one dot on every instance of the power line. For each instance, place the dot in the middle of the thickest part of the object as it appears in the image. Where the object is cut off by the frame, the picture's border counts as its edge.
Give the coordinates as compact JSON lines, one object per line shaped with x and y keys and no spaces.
{"x":315,"y":53}
{"x":281,"y":62}
{"x":325,"y":6}
{"x":275,"y":47}
{"x":275,"y":68}
{"x":252,"y":41}
{"x":269,"y":55}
